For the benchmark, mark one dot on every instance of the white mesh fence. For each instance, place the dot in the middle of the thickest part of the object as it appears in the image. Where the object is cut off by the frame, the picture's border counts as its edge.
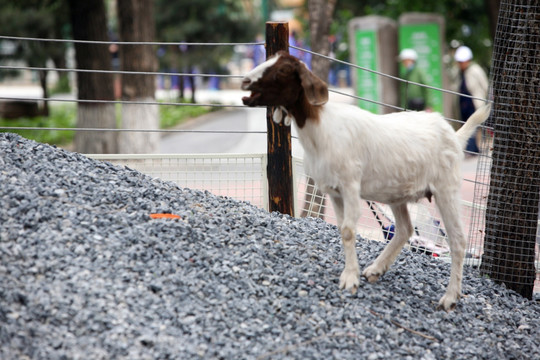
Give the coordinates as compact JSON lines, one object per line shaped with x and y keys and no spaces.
{"x":376,"y":220}
{"x":242,"y":177}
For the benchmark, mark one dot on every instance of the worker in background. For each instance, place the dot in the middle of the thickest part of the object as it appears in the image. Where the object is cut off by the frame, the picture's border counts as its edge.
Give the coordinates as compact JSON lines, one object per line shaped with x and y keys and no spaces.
{"x":413,"y":97}
{"x":474,"y":82}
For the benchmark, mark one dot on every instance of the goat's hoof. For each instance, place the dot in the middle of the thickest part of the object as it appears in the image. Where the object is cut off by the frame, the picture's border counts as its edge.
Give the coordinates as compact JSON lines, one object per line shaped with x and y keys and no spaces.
{"x":447,"y":303}
{"x":349,"y":281}
{"x":372,"y":274}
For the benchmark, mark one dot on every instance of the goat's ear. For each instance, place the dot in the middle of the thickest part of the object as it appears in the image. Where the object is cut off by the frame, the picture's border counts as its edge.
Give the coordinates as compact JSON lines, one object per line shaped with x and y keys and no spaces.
{"x":315,"y":89}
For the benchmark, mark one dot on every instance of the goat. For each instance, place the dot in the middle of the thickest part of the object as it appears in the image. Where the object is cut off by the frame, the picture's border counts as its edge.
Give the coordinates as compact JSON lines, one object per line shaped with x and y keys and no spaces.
{"x":352,"y":154}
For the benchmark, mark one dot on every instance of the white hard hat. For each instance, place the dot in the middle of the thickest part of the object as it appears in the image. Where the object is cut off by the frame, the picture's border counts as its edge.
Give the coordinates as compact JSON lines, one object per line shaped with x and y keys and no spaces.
{"x":463,"y":53}
{"x":408,"y":54}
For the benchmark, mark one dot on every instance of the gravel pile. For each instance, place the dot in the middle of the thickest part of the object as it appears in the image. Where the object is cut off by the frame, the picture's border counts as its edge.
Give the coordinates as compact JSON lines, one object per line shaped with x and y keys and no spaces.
{"x":86,"y":273}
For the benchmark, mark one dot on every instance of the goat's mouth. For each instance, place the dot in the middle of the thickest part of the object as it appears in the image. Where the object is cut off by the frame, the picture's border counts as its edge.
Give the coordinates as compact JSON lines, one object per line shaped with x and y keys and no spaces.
{"x":251,"y":100}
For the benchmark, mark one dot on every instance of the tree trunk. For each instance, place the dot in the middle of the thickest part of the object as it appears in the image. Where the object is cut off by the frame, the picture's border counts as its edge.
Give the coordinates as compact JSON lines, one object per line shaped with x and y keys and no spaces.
{"x":43,"y":83}
{"x":493,"y":7}
{"x":93,"y":86}
{"x":181,"y":84}
{"x":514,"y":196}
{"x":320,"y":18}
{"x":136,"y":23}
{"x":192,"y":83}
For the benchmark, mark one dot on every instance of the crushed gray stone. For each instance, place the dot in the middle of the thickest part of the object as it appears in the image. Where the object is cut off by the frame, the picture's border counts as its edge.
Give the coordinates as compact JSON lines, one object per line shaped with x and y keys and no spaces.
{"x":85,"y":273}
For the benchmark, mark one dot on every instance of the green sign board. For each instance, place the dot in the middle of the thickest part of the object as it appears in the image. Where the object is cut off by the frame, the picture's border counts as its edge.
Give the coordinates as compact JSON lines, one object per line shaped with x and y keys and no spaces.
{"x":424,"y":38}
{"x":366,"y":56}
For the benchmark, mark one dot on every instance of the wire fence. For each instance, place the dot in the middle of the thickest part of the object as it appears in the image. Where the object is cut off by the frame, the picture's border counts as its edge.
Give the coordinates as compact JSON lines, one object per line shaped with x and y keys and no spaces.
{"x":172,"y":74}
{"x":505,"y":221}
{"x":200,"y":171}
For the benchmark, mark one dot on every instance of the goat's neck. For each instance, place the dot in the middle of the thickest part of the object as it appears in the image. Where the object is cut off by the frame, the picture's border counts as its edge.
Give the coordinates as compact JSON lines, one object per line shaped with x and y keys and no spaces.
{"x":303,"y":111}
{"x":308,"y":122}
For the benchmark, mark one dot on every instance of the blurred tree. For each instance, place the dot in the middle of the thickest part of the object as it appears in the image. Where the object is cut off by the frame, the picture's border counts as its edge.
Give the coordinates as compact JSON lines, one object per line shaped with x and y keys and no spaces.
{"x":89,"y":22}
{"x":492,"y":7}
{"x":201,"y":21}
{"x":320,"y":19}
{"x":38,"y":19}
{"x":136,"y":23}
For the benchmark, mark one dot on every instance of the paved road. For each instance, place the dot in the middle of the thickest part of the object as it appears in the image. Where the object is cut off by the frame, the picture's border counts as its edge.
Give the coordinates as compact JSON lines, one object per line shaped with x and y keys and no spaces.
{"x":214,"y":141}
{"x":243,"y":119}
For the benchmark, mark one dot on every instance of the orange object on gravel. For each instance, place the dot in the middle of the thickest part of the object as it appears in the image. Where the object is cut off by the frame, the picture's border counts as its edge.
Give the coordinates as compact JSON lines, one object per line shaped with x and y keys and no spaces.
{"x":164,"y":216}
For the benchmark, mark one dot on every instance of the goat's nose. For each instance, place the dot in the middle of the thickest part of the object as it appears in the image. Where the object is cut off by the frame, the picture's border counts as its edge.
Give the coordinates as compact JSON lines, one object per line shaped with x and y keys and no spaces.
{"x":245,"y":83}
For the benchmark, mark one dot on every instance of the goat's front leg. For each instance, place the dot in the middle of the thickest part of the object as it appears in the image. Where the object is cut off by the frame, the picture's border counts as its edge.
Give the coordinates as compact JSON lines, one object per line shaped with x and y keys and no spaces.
{"x":347,"y":207}
{"x":404,"y":230}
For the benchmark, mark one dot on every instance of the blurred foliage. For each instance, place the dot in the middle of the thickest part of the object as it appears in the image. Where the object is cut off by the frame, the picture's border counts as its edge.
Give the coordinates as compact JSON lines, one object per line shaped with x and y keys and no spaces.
{"x":34,"y":18}
{"x":61,"y":86}
{"x":228,"y":21}
{"x":65,"y":116}
{"x":202,"y":22}
{"x":60,"y":116}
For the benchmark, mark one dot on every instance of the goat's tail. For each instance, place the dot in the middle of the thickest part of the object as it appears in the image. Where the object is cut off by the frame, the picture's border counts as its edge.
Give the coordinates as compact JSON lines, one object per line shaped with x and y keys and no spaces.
{"x":467,"y":130}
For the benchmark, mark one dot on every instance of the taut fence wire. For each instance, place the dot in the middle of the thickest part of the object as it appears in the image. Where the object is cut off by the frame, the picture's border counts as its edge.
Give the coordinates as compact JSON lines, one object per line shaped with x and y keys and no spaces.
{"x":97,"y":101}
{"x":97,"y":42}
{"x":183,"y":74}
{"x":119,"y":72}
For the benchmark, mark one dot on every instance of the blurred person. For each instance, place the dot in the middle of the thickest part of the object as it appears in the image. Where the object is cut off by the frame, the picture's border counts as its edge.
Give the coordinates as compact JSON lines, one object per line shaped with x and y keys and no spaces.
{"x":258,"y":52}
{"x":454,"y":79}
{"x":473,"y":82}
{"x":413,"y":97}
{"x":295,"y":40}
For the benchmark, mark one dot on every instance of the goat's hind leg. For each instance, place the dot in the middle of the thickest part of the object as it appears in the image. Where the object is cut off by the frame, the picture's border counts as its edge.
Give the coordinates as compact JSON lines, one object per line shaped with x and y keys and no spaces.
{"x":404,"y":230}
{"x":448,"y":205}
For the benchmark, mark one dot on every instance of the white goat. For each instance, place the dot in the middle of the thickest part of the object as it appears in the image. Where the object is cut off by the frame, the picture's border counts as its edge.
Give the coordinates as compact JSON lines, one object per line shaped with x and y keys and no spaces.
{"x":351,"y":154}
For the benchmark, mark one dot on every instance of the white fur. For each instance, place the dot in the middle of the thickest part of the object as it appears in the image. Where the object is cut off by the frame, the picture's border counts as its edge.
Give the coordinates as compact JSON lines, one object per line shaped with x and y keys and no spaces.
{"x":393,"y":159}
{"x":258,"y":71}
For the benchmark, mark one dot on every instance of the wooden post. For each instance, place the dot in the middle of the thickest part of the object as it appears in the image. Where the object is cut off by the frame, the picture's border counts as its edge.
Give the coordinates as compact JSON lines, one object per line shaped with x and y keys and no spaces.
{"x":279,"y":170}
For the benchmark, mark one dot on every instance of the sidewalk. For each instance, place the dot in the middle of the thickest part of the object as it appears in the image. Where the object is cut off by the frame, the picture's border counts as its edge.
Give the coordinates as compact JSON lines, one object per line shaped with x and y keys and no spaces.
{"x":203,"y":96}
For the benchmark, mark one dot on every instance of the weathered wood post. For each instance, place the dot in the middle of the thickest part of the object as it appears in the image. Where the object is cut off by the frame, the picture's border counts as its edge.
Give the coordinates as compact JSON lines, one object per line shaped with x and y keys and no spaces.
{"x":279,"y":170}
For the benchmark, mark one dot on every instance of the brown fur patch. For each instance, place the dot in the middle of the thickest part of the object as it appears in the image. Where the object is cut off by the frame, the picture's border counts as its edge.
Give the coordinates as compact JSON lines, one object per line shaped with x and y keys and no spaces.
{"x":302,"y":110}
{"x":289,"y":83}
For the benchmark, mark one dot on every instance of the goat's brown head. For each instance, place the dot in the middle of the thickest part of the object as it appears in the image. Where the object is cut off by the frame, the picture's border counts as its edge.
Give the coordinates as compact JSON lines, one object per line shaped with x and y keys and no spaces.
{"x":283,"y":80}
